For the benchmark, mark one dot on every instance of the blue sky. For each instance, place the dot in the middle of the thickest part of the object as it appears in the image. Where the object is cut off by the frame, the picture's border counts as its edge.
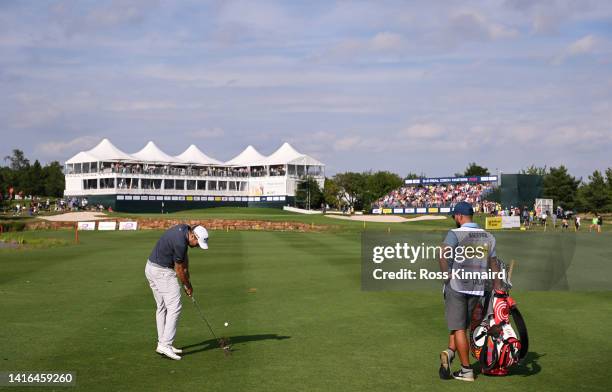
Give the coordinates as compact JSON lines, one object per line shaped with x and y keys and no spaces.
{"x":406,"y":86}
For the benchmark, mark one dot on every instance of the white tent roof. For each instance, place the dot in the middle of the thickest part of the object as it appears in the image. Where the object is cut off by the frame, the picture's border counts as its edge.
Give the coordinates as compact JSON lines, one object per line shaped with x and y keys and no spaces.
{"x":106,"y":151}
{"x":248,"y":156}
{"x":286,"y":154}
{"x":152,"y":153}
{"x":82,"y":157}
{"x":194,"y":155}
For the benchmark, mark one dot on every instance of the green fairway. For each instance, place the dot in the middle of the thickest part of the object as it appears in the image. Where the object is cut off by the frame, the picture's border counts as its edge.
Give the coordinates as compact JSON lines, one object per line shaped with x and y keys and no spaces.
{"x":307,"y":327}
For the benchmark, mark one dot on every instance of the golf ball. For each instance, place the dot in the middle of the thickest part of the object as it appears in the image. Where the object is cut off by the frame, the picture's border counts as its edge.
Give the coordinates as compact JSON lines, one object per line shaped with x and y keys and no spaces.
{"x":226,"y":324}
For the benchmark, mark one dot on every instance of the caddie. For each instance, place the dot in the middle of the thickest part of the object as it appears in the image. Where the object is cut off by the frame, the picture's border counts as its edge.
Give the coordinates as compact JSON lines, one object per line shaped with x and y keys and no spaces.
{"x":462,"y":295}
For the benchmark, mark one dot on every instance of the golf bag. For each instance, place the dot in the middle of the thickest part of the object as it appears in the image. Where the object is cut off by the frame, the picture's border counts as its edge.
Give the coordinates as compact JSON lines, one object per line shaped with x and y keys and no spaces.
{"x":493,"y":340}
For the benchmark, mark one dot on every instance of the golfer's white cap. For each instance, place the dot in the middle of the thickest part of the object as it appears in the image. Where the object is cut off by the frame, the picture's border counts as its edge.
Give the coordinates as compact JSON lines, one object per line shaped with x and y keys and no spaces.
{"x":202,"y":235}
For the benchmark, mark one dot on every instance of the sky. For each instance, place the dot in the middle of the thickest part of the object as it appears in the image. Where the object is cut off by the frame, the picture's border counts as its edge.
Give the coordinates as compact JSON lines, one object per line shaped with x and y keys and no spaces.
{"x":405,"y":86}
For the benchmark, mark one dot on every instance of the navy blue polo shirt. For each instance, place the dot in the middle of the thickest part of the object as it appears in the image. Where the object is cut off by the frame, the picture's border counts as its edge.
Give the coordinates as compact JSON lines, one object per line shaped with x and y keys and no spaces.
{"x":171,"y":247}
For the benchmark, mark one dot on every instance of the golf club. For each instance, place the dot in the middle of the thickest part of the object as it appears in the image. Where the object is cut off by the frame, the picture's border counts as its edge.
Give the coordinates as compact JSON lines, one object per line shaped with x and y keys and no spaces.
{"x":223,"y":342}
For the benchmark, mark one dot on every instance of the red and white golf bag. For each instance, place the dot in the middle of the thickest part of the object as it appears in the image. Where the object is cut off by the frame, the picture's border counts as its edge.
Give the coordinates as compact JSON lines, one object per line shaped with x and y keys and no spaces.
{"x":493,"y":340}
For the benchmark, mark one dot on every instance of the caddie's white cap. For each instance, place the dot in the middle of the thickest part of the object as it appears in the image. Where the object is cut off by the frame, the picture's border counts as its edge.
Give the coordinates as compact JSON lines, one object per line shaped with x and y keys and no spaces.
{"x":202,"y":235}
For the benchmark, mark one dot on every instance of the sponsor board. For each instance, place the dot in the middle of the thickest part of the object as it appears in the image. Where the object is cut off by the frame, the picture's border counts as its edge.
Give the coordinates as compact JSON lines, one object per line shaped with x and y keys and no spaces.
{"x":493,"y":223}
{"x":107,"y":225}
{"x":450,"y":180}
{"x":511,"y":222}
{"x":86,"y":226}
{"x":128,"y":225}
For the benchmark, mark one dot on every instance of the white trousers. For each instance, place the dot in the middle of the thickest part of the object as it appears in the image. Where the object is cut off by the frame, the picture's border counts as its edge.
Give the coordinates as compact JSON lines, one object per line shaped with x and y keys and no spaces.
{"x":167,"y":294}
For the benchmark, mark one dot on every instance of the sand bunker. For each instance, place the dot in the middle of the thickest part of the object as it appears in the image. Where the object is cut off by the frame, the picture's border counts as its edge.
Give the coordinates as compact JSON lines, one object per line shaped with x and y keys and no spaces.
{"x":75,"y":216}
{"x":386,"y":218}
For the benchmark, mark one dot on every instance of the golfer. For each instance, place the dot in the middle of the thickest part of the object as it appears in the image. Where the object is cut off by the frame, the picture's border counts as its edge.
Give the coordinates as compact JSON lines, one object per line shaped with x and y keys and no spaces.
{"x":167,"y":261}
{"x":462,"y":295}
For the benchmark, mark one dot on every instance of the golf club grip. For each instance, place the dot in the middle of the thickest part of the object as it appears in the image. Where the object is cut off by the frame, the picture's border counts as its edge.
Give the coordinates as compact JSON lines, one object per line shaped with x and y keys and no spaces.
{"x":510,"y":269}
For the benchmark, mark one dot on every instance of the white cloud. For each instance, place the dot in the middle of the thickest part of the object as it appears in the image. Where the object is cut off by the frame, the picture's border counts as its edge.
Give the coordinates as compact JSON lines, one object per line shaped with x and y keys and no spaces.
{"x":386,"y":41}
{"x":208,"y":133}
{"x":422,"y":131}
{"x":583,"y":46}
{"x":473,"y":25}
{"x":347,"y":143}
{"x":381,"y":43}
{"x":64,"y":148}
{"x":135,"y":106}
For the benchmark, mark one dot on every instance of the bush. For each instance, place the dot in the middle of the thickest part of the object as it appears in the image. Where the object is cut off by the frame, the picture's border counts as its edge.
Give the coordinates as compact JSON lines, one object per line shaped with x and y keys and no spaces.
{"x":12,"y":226}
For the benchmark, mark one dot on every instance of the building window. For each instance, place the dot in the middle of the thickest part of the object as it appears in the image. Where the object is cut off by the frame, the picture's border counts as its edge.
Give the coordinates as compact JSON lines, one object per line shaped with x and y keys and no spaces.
{"x":202,"y":185}
{"x":168,"y":184}
{"x":180,"y":184}
{"x":106,"y":183}
{"x":243,"y":186}
{"x":127,"y":183}
{"x":232,"y":185}
{"x":147,"y":183}
{"x":222,"y":185}
{"x":191,"y":185}
{"x":90,"y":184}
{"x":212,"y":185}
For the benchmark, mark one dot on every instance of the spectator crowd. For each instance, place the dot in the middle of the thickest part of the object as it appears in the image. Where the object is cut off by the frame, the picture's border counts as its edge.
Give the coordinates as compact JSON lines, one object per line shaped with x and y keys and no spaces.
{"x":440,"y":195}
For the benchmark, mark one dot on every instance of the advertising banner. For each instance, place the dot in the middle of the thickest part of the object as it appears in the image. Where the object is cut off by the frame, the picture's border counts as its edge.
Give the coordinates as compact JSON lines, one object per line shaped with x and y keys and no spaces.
{"x":107,"y":225}
{"x":493,"y":223}
{"x":128,"y":225}
{"x":450,"y":180}
{"x":511,"y":222}
{"x":86,"y":225}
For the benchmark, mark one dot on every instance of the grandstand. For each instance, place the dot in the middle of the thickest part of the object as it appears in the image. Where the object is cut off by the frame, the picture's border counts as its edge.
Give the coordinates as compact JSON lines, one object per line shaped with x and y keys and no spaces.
{"x":438,"y":195}
{"x":151,"y":180}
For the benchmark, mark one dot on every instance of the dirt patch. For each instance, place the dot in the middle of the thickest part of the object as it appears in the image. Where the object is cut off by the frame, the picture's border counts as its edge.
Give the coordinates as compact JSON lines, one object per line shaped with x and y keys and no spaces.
{"x":80,"y":216}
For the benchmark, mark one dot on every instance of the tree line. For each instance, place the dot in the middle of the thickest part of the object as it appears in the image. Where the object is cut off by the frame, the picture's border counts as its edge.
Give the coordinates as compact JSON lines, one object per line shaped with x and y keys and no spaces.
{"x":30,"y":179}
{"x":593,"y":194}
{"x":359,"y":190}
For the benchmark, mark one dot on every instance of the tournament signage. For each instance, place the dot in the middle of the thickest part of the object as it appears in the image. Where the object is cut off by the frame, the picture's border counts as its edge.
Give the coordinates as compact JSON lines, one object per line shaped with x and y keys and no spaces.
{"x":450,"y":180}
{"x":86,"y":226}
{"x":493,"y":223}
{"x":502,"y":222}
{"x":128,"y":225}
{"x":107,"y":225}
{"x":511,"y":222}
